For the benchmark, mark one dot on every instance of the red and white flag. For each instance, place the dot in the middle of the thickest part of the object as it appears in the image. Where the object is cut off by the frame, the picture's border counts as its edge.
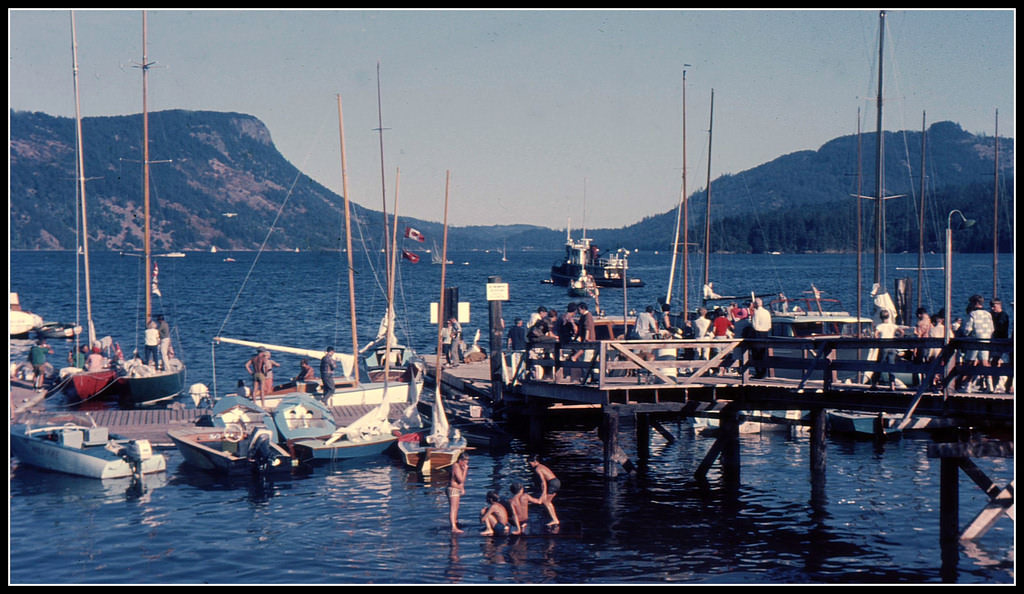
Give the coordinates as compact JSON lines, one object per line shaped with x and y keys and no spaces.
{"x":410,"y":256}
{"x":414,"y":234}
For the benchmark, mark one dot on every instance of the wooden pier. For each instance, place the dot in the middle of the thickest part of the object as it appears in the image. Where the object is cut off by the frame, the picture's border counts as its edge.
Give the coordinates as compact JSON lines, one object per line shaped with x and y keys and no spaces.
{"x":657,"y":380}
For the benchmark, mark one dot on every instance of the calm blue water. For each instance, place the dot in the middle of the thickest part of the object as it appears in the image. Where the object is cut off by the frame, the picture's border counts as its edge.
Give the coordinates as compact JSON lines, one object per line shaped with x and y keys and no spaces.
{"x":373,"y":521}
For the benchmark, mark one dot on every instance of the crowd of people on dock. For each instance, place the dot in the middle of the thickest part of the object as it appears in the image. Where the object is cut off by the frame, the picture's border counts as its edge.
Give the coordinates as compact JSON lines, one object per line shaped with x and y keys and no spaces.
{"x":753,"y":319}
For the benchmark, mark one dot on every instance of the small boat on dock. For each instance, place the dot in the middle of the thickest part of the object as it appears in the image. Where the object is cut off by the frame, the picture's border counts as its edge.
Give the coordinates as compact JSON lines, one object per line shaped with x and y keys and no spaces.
{"x":77,"y":446}
{"x":307,"y":427}
{"x":59,"y":330}
{"x":242,"y":438}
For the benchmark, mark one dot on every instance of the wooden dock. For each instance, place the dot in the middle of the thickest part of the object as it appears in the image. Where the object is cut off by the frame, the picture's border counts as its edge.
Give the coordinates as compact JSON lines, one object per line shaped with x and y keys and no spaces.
{"x":151,"y":424}
{"x":657,"y":379}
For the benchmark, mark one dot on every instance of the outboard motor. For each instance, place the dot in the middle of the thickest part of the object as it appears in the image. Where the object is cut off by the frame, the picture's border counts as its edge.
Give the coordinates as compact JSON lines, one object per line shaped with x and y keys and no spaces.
{"x":136,"y":452}
{"x":260,"y":451}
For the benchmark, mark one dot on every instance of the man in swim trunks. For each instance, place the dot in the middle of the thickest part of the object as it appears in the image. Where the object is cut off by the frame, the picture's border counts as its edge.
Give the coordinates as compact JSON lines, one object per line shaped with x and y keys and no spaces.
{"x":519,"y":505}
{"x":456,"y":489}
{"x":548,"y":485}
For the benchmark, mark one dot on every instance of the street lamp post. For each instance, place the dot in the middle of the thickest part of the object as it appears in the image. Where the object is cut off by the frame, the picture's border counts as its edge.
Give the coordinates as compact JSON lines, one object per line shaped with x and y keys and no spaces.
{"x":948,"y":273}
{"x":948,"y":269}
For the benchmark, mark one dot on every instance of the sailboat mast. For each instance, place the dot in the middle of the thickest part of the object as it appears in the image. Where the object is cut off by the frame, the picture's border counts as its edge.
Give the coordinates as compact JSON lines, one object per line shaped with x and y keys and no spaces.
{"x":995,"y":220}
{"x":81,"y":186}
{"x":920,"y":218}
{"x":879,"y":197}
{"x":707,"y":212}
{"x":145,"y":172}
{"x":679,"y":214}
{"x":383,"y":189}
{"x":348,"y":245}
{"x":389,"y":331}
{"x":441,"y":321}
{"x":860,"y":219}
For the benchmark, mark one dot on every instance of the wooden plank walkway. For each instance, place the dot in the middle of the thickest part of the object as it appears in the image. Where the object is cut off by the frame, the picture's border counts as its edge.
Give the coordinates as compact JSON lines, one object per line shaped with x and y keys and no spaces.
{"x":148,"y":423}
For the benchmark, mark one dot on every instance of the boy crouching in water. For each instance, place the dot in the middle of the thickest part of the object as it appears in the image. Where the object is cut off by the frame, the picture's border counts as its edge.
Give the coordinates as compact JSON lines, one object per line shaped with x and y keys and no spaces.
{"x":494,"y":516}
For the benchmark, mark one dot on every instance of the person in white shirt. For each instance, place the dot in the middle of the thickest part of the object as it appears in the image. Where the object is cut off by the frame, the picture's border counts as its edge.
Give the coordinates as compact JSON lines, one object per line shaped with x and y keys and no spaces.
{"x":761,"y":322}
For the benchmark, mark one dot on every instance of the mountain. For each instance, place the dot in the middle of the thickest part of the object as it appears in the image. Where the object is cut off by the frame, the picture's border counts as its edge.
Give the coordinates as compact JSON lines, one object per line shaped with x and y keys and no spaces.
{"x":219,"y":181}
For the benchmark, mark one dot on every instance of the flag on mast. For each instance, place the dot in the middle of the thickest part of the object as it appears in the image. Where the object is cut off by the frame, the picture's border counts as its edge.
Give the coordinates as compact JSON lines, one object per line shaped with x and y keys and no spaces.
{"x":411,"y":233}
{"x":410,"y":256}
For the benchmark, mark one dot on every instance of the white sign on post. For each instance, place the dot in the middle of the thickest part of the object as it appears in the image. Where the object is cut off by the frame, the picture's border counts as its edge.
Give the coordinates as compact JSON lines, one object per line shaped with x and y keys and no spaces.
{"x":497,"y":291}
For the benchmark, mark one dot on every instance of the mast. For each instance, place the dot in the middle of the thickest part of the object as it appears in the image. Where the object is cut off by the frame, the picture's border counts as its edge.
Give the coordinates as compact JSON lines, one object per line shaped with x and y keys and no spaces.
{"x":707,"y":212}
{"x":81,"y":186}
{"x":383,"y":189}
{"x":686,"y":212}
{"x":145,"y":172}
{"x":995,"y":220}
{"x":920,"y":218}
{"x":389,"y":330}
{"x":348,"y":246}
{"x":879,"y":199}
{"x":441,"y":321}
{"x":860,"y":220}
{"x":679,"y":215}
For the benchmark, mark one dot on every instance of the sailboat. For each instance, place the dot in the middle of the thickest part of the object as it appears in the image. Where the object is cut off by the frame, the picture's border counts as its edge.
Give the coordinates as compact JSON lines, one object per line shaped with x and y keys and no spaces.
{"x":443,"y":446}
{"x":141,"y":384}
{"x":77,"y":383}
{"x":392,"y":374}
{"x":854,"y":422}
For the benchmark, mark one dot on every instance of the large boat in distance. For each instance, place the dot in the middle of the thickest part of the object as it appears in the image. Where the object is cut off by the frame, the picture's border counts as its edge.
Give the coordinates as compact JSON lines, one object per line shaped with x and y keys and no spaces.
{"x":583,"y":258}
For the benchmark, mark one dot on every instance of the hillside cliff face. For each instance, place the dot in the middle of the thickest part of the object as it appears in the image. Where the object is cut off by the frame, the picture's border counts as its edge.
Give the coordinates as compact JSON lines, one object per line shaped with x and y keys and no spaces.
{"x":219,"y":181}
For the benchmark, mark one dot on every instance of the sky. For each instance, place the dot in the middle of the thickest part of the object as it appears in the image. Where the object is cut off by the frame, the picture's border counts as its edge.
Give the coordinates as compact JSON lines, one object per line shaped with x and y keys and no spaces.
{"x":550,"y":117}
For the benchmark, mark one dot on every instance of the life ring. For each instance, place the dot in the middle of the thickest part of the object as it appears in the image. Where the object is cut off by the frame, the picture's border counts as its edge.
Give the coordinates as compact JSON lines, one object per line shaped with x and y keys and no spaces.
{"x":233,"y":433}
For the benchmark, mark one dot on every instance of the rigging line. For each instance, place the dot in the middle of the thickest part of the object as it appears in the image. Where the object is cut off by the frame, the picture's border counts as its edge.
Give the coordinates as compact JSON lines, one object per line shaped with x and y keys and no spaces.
{"x":764,"y":236}
{"x":291,"y":189}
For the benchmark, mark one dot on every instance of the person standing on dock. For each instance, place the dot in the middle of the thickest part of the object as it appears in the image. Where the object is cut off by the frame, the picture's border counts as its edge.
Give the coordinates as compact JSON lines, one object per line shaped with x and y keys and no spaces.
{"x":37,"y":357}
{"x":1001,"y":329}
{"x":886,"y":330}
{"x":327,"y":372}
{"x":456,"y":489}
{"x":647,"y":324}
{"x":761,"y":322}
{"x":548,"y":485}
{"x":517,"y":336}
{"x":978,"y":325}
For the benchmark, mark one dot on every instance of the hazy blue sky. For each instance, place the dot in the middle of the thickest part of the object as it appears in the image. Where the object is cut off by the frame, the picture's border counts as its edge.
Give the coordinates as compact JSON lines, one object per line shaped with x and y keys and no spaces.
{"x":541,"y":116}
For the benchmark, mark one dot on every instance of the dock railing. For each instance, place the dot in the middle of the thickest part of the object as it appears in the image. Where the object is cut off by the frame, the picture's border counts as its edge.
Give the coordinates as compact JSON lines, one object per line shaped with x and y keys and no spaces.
{"x":928,"y":365}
